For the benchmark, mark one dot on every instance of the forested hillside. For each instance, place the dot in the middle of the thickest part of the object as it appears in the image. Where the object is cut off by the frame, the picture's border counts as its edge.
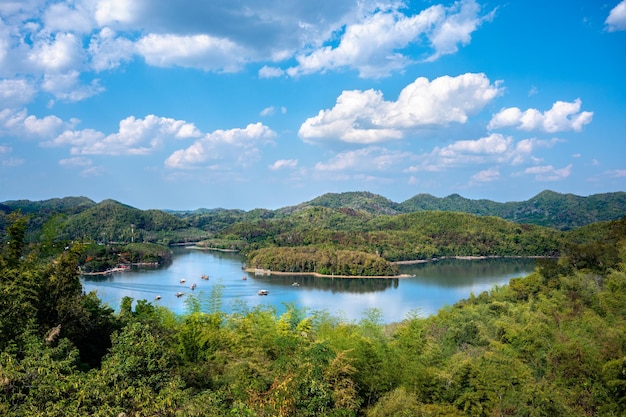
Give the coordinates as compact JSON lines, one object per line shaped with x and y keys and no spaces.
{"x":414,"y":236}
{"x":550,"y":344}
{"x":548,"y":208}
{"x":83,"y":218}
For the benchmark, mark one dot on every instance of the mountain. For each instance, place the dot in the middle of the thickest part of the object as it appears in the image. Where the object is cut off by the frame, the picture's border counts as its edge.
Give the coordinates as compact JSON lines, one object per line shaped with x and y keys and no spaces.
{"x":112,"y":220}
{"x":548,"y":208}
{"x":81,"y":217}
{"x":356,"y":200}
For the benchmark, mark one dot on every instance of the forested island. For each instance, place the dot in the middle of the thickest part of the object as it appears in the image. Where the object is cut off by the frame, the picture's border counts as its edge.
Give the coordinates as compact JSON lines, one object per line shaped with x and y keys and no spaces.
{"x":549,"y":344}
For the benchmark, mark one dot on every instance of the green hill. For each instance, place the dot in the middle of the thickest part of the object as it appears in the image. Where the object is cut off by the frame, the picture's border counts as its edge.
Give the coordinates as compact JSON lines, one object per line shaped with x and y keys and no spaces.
{"x":548,"y":208}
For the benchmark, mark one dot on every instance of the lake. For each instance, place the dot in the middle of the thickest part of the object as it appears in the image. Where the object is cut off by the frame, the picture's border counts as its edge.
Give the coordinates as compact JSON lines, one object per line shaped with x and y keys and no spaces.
{"x":432,"y":286}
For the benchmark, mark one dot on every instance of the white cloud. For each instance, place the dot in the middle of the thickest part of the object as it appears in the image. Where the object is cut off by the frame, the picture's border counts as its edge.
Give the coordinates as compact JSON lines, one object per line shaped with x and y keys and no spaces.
{"x":117,"y":12}
{"x":549,"y":173}
{"x":135,"y":137}
{"x":617,"y":18}
{"x":68,"y":86}
{"x":616,"y":173}
{"x":371,"y":158}
{"x":108,"y":51}
{"x":373,"y":44}
{"x":563,"y":116}
{"x":365,"y":117}
{"x":487,"y":175}
{"x":284,"y":163}
{"x":238,"y":147}
{"x":492,"y":149}
{"x":456,"y":27}
{"x":270,"y":72}
{"x":68,"y":17}
{"x":61,"y":53}
{"x":18,"y":123}
{"x":268,"y":111}
{"x":198,"y":51}
{"x":76,"y":162}
{"x":86,"y":166}
{"x":16,"y":92}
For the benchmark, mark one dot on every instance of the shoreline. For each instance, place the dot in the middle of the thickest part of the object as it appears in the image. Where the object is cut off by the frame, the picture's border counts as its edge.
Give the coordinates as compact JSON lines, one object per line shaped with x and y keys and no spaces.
{"x":196,"y":247}
{"x":258,"y":271}
{"x":119,"y":269}
{"x":469,"y":258}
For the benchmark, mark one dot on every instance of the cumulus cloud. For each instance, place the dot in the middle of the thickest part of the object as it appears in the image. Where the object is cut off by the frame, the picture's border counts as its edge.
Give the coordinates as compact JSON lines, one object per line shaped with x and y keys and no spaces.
{"x":85,"y":166}
{"x":493,"y":149}
{"x":373,"y":44}
{"x":69,"y":87}
{"x":65,"y":17}
{"x":16,"y":92}
{"x":563,"y":116}
{"x":549,"y":173}
{"x":108,"y":50}
{"x":197,"y":51}
{"x":135,"y":137}
{"x":484,"y":176}
{"x":237,"y":146}
{"x":371,"y":158}
{"x":284,"y":163}
{"x":365,"y":117}
{"x":60,"y":53}
{"x":18,"y":123}
{"x":270,"y":72}
{"x":54,"y":43}
{"x":617,"y":18}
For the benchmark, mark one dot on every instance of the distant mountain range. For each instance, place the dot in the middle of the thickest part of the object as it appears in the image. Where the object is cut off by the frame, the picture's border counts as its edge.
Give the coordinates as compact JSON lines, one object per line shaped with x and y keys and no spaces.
{"x":548,"y":208}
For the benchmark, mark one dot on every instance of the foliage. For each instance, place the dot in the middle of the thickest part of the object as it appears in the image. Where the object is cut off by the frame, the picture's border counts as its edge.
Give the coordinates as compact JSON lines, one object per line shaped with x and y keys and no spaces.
{"x":322,"y":261}
{"x":550,"y":344}
{"x":99,"y":258}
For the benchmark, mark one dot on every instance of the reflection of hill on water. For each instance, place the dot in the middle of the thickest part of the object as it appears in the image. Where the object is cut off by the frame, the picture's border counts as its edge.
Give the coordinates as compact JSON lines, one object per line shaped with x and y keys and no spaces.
{"x":351,"y":285}
{"x":470,"y":268}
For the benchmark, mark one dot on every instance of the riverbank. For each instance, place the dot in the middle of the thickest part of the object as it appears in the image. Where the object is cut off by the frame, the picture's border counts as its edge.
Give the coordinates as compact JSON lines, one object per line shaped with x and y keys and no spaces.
{"x":468,"y":258}
{"x":257,"y":271}
{"x":196,"y":247}
{"x":121,"y":268}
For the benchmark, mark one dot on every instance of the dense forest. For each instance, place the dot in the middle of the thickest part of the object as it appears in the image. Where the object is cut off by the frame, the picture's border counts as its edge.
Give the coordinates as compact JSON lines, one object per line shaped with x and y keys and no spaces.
{"x":348,"y":234}
{"x":549,"y":344}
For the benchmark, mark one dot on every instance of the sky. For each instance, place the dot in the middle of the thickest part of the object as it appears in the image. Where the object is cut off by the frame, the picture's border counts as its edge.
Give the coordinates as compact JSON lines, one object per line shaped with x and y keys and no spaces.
{"x":244,"y":104}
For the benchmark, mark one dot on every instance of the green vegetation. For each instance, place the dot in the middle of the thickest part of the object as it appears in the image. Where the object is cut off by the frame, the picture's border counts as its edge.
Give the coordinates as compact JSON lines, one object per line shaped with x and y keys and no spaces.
{"x":550,"y":344}
{"x":353,"y":230}
{"x":321,"y":261}
{"x":414,"y":236}
{"x":99,"y":258}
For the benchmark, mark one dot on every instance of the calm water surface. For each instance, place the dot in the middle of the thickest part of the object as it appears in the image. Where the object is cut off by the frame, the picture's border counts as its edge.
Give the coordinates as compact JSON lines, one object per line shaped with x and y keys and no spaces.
{"x":432,"y":286}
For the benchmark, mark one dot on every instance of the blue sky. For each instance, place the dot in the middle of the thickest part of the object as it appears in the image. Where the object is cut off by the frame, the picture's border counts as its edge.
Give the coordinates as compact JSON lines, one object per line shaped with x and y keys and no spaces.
{"x":245,"y":104}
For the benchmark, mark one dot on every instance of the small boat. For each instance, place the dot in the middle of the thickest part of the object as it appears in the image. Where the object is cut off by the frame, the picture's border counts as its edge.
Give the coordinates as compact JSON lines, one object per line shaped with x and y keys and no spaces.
{"x":193,"y":287}
{"x":204,"y":276}
{"x":295,"y":284}
{"x":179,"y":294}
{"x":263,"y":292}
{"x":158,"y":297}
{"x":182,"y":280}
{"x":244,"y":278}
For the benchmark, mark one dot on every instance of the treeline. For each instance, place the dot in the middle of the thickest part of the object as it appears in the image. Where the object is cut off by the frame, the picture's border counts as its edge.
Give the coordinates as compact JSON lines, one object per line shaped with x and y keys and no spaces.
{"x":414,"y":236}
{"x":550,"y":344}
{"x":99,"y":258}
{"x":322,"y":261}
